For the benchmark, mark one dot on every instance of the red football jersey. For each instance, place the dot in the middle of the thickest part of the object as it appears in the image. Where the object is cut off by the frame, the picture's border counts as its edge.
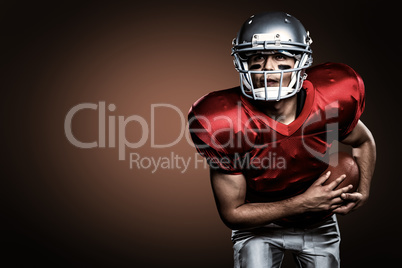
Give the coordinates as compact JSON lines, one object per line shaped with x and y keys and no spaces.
{"x":278,"y":161}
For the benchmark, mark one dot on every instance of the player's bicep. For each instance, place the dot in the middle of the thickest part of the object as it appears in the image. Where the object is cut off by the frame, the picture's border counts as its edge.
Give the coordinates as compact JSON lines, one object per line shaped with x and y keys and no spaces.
{"x":358,"y":136}
{"x":229,"y":191}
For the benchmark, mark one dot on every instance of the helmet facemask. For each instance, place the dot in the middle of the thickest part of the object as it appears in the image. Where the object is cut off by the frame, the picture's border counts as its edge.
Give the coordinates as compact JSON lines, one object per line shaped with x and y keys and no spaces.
{"x":272,"y":43}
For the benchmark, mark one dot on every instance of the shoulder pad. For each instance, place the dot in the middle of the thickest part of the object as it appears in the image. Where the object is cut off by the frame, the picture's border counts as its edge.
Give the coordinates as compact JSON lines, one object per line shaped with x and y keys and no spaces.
{"x":335,"y":75}
{"x":337,"y":85}
{"x":218,"y":120}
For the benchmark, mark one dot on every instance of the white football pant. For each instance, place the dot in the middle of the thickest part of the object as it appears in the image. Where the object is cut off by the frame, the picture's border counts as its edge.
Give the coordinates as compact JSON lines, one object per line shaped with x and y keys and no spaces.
{"x":264,"y":247}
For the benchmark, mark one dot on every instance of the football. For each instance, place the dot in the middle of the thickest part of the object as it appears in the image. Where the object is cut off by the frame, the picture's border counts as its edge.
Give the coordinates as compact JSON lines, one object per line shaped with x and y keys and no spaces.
{"x":343,"y":163}
{"x":339,"y":163}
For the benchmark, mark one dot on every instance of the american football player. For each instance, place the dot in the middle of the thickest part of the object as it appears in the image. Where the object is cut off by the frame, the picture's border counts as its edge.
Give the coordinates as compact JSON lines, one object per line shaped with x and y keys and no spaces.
{"x":267,"y":142}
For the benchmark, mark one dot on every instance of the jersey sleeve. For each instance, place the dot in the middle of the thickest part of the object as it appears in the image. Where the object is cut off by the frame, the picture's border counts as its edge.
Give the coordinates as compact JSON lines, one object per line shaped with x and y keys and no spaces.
{"x":356,"y":101}
{"x":216,"y":131}
{"x":342,"y":87}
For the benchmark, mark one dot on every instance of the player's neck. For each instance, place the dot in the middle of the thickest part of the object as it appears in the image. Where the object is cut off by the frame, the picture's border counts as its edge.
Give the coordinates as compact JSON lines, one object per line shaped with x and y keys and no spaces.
{"x":283,"y":111}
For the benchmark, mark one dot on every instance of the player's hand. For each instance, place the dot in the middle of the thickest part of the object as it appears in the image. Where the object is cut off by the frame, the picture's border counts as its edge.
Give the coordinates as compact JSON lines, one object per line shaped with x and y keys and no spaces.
{"x":320,"y":197}
{"x":352,"y":201}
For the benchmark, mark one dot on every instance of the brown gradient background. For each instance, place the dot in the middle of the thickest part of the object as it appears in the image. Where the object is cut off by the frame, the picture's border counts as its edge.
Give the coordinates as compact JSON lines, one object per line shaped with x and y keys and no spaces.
{"x":71,"y":207}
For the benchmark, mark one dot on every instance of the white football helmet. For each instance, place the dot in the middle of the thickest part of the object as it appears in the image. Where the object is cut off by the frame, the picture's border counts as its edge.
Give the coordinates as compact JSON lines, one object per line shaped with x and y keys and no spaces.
{"x":271,"y":33}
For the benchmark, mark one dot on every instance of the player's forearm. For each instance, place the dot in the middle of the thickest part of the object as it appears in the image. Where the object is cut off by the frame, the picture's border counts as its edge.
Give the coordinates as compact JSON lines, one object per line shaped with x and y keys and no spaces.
{"x":364,"y":151}
{"x":251,"y":215}
{"x":365,"y":155}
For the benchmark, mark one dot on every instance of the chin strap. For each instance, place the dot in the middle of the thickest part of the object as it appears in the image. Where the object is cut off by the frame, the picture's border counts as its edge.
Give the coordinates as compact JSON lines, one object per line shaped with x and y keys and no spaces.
{"x":272,"y":93}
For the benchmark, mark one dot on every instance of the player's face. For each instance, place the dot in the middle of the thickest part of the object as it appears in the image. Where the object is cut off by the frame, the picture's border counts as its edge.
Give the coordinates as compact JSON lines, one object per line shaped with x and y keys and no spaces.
{"x":274,"y":62}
